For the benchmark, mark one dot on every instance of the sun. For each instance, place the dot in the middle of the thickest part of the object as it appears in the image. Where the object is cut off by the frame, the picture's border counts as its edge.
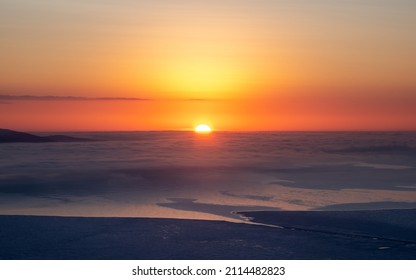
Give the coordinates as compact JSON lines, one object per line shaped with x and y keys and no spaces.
{"x":202,"y":128}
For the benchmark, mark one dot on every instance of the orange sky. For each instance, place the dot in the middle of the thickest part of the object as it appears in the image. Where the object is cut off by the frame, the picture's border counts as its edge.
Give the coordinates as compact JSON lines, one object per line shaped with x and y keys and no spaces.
{"x":236,"y":65}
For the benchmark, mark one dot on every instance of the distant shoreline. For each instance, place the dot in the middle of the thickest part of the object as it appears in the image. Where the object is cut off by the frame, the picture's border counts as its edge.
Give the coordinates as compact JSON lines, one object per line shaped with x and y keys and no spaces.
{"x":11,"y":136}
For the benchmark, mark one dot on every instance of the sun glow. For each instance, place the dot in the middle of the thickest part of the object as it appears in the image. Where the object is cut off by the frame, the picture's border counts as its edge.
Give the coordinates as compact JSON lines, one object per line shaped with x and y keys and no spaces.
{"x":202,"y":128}
{"x":194,"y":70}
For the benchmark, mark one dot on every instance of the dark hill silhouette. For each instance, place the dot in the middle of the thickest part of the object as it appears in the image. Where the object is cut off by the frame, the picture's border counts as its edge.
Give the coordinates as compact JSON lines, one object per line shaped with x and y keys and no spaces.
{"x":11,"y":136}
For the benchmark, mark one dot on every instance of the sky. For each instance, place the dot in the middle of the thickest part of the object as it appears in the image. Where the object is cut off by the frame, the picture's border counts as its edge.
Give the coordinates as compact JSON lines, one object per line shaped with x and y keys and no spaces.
{"x":76,"y":65}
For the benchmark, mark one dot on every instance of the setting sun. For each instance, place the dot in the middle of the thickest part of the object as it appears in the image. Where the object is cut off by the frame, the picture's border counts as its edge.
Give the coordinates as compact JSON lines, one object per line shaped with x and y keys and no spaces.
{"x":202,"y":128}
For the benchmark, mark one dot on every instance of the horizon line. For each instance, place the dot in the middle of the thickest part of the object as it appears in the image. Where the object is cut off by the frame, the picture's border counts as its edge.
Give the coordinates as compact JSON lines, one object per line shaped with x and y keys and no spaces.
{"x":215,"y":130}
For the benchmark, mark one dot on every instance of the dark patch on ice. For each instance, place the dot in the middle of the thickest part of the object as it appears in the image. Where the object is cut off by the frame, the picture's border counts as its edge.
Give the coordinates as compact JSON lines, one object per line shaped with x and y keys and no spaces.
{"x":65,"y":183}
{"x":335,"y":177}
{"x":394,"y":148}
{"x":378,"y":205}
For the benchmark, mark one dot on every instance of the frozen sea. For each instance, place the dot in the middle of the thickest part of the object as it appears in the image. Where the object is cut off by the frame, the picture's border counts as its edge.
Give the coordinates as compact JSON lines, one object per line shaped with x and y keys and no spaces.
{"x":175,"y":174}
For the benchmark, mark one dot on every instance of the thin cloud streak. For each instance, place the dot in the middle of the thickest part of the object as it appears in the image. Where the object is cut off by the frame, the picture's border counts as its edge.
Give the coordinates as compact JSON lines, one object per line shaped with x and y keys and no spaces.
{"x":62,"y":98}
{"x":5,"y":98}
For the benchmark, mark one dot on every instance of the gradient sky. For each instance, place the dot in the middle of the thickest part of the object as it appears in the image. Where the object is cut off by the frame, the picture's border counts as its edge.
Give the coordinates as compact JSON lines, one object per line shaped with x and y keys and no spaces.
{"x":234,"y":64}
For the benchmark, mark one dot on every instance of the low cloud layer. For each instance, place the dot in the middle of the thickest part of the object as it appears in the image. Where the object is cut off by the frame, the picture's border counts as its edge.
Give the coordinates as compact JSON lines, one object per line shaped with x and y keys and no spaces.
{"x":5,"y":98}
{"x":64,"y":98}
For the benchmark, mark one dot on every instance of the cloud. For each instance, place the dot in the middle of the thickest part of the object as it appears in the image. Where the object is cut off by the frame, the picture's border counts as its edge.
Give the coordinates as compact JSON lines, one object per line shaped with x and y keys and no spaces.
{"x":5,"y":98}
{"x":65,"y":98}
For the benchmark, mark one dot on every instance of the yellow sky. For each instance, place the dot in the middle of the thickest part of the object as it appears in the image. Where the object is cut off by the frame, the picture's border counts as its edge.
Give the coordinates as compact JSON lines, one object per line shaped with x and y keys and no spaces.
{"x":251,"y":64}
